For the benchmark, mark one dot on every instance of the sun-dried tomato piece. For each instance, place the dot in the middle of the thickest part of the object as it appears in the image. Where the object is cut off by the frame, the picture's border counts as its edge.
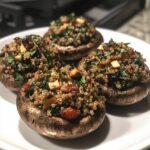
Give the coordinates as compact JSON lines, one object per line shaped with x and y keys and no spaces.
{"x":70,"y":113}
{"x":25,"y":88}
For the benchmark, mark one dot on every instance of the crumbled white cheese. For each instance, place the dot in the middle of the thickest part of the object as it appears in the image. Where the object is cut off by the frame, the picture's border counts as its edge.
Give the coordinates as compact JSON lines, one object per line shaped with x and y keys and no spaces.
{"x":100,"y":47}
{"x":18,"y":57}
{"x":115,"y":64}
{"x":22,"y":48}
{"x":54,"y":85}
{"x":80,"y":20}
{"x":64,"y":26}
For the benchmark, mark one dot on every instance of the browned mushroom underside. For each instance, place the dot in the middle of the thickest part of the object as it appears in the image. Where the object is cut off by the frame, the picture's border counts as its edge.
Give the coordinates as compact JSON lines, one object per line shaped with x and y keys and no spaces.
{"x":9,"y":82}
{"x":130,"y":96}
{"x":74,"y":53}
{"x":56,"y":127}
{"x":127,"y":97}
{"x":7,"y":79}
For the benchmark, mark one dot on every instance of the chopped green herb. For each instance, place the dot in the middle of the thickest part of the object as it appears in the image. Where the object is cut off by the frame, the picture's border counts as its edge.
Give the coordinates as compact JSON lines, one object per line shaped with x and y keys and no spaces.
{"x":94,"y":62}
{"x":82,"y":81}
{"x":111,"y":41}
{"x":126,"y":44}
{"x":138,"y":76}
{"x":19,"y":78}
{"x":88,"y":64}
{"x":55,"y":111}
{"x":71,"y":16}
{"x":91,"y":63}
{"x":30,"y":91}
{"x":36,"y":38}
{"x":55,"y":36}
{"x":138,"y":62}
{"x":44,"y":84}
{"x":47,"y":54}
{"x":40,"y":106}
{"x":128,"y":84}
{"x":122,"y":73}
{"x":10,"y":59}
{"x":55,"y":22}
{"x":35,"y":53}
{"x":62,"y":74}
{"x":29,"y":67}
{"x":65,"y":104}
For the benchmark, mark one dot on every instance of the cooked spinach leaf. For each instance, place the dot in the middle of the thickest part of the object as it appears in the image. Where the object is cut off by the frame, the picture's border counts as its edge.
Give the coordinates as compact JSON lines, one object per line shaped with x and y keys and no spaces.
{"x":10,"y":59}
{"x":19,"y":78}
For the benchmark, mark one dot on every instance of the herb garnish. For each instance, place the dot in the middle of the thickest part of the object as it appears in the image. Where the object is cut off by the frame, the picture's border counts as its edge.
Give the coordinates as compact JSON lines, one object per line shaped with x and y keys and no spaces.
{"x":10,"y":59}
{"x":126,"y":44}
{"x":48,"y":56}
{"x":111,"y":41}
{"x":44,"y":84}
{"x":71,"y":16}
{"x":19,"y":78}
{"x":55,"y":111}
{"x":82,"y":81}
{"x":35,"y":53}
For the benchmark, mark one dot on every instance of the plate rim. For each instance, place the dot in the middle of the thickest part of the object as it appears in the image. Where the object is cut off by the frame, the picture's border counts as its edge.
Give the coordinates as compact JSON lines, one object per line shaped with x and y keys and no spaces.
{"x":6,"y":145}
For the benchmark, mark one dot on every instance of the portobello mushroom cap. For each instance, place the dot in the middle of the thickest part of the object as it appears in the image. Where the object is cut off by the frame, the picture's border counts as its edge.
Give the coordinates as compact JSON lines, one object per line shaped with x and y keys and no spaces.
{"x":56,"y":127}
{"x":18,"y":52}
{"x":71,"y":52}
{"x":125,"y":97}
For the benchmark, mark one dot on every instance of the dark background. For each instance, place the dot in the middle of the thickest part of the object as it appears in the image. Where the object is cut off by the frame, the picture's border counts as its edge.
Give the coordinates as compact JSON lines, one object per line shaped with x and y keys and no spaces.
{"x":17,"y":15}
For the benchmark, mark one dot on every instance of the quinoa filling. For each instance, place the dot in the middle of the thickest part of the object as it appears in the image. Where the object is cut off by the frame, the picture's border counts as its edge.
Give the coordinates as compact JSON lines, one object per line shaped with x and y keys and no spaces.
{"x":63,"y":92}
{"x":71,"y":31}
{"x":22,"y":58}
{"x":116,"y":65}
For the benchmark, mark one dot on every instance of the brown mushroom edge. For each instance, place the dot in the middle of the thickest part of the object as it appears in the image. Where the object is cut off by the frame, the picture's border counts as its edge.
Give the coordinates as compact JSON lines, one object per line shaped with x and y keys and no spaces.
{"x":123,"y":98}
{"x":56,"y":127}
{"x":71,"y":53}
{"x":8,"y":80}
{"x":128,"y":97}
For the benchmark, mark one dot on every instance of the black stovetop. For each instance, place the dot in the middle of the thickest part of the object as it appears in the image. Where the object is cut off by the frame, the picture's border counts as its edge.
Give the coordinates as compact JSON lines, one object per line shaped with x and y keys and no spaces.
{"x":17,"y":15}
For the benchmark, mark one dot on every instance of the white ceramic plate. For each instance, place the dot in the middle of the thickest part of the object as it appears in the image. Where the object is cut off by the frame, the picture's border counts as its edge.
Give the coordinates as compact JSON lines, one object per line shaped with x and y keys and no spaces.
{"x":124,"y":127}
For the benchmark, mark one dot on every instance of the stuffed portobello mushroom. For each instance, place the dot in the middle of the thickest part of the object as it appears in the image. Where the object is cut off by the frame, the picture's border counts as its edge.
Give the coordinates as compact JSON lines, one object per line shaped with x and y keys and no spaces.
{"x":73,"y":37}
{"x":61,"y":103}
{"x":19,"y":60}
{"x":121,"y":72}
